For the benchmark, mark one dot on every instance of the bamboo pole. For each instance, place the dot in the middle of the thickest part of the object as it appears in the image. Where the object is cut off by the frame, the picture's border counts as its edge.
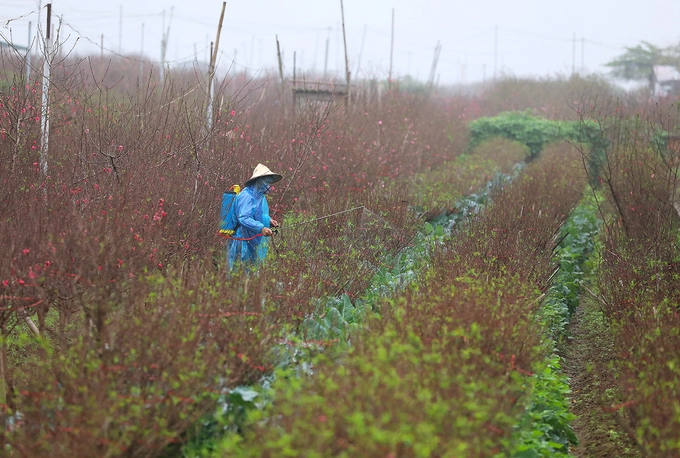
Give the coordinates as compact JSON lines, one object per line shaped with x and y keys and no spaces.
{"x":347,"y":72}
{"x":278,"y":54}
{"x":45,"y":121}
{"x":29,"y":322}
{"x":433,"y":70}
{"x":389,"y":77}
{"x":3,"y":366}
{"x":211,"y":71}
{"x":28,"y":54}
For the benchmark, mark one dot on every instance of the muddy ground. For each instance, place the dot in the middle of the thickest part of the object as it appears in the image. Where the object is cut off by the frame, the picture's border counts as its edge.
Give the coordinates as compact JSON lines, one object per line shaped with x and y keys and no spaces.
{"x":588,"y":356}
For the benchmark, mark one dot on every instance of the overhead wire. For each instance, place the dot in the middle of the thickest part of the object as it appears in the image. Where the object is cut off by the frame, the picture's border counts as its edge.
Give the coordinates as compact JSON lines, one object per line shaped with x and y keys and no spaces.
{"x":298,"y":29}
{"x":110,"y":51}
{"x":7,"y":21}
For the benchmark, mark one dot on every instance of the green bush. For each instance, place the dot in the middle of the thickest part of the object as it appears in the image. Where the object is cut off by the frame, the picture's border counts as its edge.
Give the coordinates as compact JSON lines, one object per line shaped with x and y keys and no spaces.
{"x":522,"y":127}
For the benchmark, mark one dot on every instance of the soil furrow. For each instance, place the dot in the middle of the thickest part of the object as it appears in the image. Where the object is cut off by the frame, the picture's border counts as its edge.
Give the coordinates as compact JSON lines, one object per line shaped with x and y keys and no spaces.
{"x":589,"y":355}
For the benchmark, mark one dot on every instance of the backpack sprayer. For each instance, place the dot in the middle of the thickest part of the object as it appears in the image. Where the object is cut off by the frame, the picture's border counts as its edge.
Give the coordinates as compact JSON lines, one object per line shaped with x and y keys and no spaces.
{"x":228,"y":221}
{"x":228,"y":217}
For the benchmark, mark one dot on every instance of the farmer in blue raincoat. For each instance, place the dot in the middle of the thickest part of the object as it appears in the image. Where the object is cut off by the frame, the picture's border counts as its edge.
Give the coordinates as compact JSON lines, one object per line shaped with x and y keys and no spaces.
{"x":248,"y":248}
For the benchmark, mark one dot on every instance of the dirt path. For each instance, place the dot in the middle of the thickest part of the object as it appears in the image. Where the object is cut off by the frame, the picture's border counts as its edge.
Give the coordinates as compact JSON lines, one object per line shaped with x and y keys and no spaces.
{"x":587,"y":353}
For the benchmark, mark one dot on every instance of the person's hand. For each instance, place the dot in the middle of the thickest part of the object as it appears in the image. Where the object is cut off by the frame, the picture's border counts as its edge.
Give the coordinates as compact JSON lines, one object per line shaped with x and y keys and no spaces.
{"x":266,"y":232}
{"x":274,"y":223}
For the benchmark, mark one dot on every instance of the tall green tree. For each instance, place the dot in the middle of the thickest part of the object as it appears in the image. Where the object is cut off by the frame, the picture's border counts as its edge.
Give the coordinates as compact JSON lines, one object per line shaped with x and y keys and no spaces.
{"x":638,"y":62}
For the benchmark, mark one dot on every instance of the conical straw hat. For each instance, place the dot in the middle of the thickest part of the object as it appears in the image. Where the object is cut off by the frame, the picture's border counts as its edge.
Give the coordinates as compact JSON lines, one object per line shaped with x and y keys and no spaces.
{"x":263,"y":171}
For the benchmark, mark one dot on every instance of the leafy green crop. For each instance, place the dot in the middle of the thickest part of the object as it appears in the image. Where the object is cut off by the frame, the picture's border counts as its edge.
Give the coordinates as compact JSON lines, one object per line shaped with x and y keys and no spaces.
{"x":545,"y":429}
{"x":578,"y":241}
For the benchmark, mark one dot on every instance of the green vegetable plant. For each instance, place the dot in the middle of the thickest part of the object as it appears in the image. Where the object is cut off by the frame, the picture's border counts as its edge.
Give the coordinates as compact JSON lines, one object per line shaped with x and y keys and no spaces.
{"x":545,"y":429}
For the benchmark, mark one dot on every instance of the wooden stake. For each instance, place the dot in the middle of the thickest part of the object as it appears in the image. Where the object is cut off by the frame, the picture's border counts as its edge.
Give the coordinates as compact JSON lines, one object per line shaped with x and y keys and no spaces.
{"x":120,"y":31}
{"x":211,"y":71}
{"x":437,"y":51}
{"x":3,"y":366}
{"x":278,"y":54}
{"x":45,"y":120}
{"x":325,"y":62}
{"x":213,"y":58}
{"x":163,"y":46}
{"x":29,"y":322}
{"x":347,"y":72}
{"x":141,"y":55}
{"x":389,"y":76}
{"x":164,"y":43}
{"x":28,"y":54}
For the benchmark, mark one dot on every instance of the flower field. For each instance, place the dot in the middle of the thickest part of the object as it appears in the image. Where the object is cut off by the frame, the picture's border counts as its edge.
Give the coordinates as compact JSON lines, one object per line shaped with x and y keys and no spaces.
{"x":431,"y":319}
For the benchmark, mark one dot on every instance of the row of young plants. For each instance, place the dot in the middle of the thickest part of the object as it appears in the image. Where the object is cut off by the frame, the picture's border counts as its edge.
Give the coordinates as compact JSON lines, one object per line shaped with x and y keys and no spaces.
{"x":545,"y":428}
{"x":334,"y":320}
{"x":638,"y":281}
{"x":446,"y":365}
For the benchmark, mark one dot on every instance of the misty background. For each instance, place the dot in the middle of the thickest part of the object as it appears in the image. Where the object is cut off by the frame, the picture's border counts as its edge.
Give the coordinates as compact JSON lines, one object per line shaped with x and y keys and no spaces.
{"x":479,"y":40}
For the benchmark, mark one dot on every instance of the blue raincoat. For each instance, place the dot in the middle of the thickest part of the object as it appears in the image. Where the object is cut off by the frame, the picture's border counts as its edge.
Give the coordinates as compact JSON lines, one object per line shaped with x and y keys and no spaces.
{"x":252,"y":213}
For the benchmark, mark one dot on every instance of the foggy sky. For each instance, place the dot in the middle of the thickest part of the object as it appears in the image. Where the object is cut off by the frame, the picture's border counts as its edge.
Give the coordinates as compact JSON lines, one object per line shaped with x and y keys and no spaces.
{"x":479,"y":38}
